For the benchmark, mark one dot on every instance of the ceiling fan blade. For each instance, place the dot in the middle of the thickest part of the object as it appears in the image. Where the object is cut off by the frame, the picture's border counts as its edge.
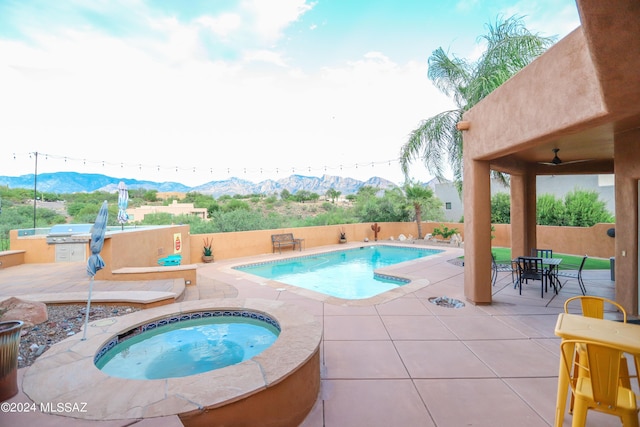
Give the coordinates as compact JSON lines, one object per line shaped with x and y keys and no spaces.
{"x":557,"y":162}
{"x":569,"y":162}
{"x":575,"y":161}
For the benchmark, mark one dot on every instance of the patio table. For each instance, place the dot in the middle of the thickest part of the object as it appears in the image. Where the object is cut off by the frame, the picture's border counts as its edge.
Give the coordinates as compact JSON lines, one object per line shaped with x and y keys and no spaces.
{"x":625,"y":336}
{"x":552,"y":264}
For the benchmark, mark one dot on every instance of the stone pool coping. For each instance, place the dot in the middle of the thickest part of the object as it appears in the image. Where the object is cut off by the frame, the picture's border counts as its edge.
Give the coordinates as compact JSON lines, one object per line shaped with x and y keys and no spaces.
{"x":66,"y":374}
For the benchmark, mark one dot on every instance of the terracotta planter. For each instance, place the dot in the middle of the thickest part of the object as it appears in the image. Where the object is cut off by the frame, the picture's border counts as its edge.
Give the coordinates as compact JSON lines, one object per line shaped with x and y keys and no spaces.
{"x":9,"y":346}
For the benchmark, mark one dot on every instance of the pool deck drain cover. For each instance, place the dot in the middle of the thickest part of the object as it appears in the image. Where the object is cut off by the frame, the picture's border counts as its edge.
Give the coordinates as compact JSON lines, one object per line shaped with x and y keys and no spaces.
{"x":446,"y":302}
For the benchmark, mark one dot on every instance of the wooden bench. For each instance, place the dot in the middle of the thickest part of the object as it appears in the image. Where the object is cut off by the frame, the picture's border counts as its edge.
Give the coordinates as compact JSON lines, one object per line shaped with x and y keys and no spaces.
{"x":285,"y":239}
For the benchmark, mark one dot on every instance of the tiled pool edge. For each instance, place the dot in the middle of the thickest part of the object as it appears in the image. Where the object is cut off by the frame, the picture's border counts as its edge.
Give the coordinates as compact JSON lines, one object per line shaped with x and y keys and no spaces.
{"x":294,"y":354}
{"x":184,"y":316}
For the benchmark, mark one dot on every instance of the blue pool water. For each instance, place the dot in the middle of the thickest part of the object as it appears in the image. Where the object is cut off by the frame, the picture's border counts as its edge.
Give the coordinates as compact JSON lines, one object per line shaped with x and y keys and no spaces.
{"x":347,"y":274}
{"x":188,"y":347}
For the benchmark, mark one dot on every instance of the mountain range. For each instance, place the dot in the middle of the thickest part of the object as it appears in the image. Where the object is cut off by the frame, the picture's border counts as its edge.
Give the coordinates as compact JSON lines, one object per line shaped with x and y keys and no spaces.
{"x":73,"y":182}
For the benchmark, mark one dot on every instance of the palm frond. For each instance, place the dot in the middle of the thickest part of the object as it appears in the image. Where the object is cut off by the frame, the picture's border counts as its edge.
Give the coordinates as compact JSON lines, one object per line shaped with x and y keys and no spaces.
{"x":434,"y":139}
{"x":510,"y":47}
{"x":449,"y":75}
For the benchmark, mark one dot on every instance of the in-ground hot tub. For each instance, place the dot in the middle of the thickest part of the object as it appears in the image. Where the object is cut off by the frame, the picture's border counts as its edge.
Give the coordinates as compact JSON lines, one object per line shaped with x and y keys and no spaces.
{"x":279,"y":386}
{"x":188,"y":344}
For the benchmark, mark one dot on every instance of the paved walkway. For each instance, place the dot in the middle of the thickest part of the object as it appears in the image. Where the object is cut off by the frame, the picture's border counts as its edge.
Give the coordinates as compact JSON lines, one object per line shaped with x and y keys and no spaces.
{"x":406,"y":361}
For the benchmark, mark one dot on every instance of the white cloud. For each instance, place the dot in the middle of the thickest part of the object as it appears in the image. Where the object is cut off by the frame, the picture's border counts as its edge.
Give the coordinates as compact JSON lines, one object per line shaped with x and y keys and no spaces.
{"x":267,"y":56}
{"x":222,"y":25}
{"x":96,"y":98}
{"x":270,"y":18}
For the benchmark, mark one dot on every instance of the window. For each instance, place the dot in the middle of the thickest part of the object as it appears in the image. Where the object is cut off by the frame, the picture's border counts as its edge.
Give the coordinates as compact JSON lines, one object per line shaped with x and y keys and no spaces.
{"x":447,"y":205}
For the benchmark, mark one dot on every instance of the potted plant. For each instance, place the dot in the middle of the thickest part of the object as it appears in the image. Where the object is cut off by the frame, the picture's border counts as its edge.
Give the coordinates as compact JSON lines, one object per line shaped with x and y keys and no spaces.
{"x":343,"y":235}
{"x":207,"y":251}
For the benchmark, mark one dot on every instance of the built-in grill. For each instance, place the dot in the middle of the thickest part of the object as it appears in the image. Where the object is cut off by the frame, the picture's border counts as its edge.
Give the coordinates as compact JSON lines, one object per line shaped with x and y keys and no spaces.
{"x":69,"y":233}
{"x":70,"y":241}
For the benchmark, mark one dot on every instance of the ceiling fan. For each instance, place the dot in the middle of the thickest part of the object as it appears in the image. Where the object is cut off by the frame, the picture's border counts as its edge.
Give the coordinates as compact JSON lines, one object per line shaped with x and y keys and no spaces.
{"x":556,"y":161}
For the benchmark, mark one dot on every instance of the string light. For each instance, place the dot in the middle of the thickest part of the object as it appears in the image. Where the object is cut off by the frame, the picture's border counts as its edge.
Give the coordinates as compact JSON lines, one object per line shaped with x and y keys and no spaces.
{"x":139,"y":166}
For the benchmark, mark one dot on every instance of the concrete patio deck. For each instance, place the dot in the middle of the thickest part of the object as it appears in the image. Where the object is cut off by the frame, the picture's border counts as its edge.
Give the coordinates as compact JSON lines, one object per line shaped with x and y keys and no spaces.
{"x":392,"y":362}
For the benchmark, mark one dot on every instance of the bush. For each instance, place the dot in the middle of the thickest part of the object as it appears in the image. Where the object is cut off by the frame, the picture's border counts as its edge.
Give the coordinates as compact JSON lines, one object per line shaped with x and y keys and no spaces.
{"x":501,"y":208}
{"x":583,"y":209}
{"x":445,"y":232}
{"x":550,"y":210}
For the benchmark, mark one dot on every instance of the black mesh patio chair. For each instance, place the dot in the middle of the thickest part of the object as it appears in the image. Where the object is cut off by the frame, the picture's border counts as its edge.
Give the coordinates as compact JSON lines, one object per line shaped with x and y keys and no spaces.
{"x":570,"y":274}
{"x":497,"y":267}
{"x":542,"y":253}
{"x":531,"y":268}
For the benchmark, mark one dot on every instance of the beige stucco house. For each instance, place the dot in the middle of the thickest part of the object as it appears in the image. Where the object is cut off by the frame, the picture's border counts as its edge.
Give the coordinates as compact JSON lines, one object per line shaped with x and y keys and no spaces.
{"x":583,"y":97}
{"x":175,"y":208}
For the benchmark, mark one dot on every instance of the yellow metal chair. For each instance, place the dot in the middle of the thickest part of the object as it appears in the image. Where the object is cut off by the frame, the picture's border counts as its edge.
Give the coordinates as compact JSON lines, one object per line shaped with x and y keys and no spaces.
{"x":592,"y":306}
{"x":597,"y":385}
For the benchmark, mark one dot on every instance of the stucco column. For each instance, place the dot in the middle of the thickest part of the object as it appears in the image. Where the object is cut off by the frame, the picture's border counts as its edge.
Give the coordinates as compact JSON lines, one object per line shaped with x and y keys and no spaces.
{"x":627,"y":174}
{"x":477,"y":232}
{"x":523,"y":214}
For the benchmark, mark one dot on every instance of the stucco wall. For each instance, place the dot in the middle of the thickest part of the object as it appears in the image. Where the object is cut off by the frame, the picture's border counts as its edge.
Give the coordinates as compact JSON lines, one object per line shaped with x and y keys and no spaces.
{"x":143,"y":247}
{"x":246,"y":243}
{"x":564,"y":72}
{"x":592,"y":241}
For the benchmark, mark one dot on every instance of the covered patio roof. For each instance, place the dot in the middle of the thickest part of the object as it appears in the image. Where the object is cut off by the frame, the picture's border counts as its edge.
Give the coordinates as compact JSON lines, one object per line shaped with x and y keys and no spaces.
{"x":582,"y":98}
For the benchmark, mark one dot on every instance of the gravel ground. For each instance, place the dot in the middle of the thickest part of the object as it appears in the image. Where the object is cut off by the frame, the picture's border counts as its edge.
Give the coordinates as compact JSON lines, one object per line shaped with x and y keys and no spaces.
{"x":64,"y":321}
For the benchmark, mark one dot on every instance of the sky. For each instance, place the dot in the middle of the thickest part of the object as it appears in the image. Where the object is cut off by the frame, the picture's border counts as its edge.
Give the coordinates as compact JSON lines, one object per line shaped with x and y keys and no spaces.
{"x":201,"y":90}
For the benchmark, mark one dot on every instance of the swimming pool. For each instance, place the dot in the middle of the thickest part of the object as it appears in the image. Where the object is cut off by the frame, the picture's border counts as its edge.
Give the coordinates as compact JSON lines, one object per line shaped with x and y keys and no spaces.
{"x":347,"y":274}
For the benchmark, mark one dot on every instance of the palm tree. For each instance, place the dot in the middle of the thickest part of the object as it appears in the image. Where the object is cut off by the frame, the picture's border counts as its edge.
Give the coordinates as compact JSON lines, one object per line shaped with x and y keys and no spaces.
{"x":333,"y":194}
{"x":510,"y":47}
{"x":422,"y":199}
